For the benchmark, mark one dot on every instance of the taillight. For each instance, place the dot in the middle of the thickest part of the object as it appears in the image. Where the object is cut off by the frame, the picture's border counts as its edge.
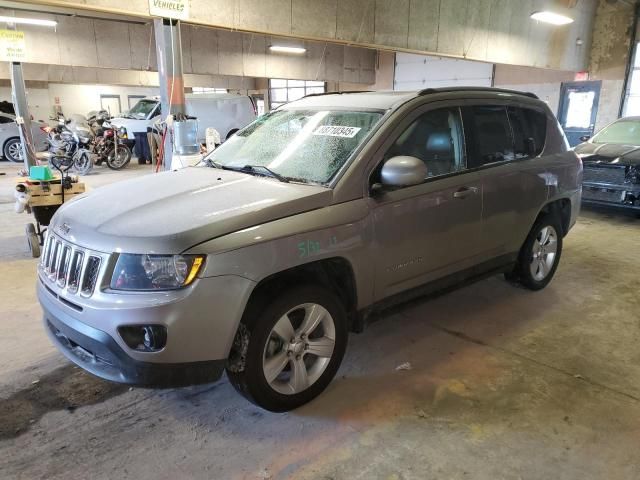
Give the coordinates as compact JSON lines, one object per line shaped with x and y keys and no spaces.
{"x":45,"y":129}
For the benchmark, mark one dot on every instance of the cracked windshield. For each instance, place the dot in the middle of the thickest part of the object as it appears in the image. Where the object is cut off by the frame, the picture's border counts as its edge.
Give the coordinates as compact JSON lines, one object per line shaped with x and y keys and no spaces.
{"x":298,"y":145}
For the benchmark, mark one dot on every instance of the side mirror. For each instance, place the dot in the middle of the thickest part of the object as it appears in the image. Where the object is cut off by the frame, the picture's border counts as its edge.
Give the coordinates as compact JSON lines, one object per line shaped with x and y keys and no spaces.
{"x":403,"y":171}
{"x":584,"y":138}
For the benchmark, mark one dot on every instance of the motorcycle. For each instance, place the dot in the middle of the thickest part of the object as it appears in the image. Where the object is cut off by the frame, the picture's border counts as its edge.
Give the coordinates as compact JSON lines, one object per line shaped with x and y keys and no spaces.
{"x":108,"y":142}
{"x":70,"y":143}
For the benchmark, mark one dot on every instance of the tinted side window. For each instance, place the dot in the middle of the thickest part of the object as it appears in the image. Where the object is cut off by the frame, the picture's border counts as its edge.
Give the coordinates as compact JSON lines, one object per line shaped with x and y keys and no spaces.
{"x":436,"y":138}
{"x":529,"y":131}
{"x":4,"y":119}
{"x":490,"y":134}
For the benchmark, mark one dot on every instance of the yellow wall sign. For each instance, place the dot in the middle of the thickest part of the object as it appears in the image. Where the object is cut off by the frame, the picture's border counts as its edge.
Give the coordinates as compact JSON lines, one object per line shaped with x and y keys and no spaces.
{"x":12,"y":46}
{"x":178,"y":9}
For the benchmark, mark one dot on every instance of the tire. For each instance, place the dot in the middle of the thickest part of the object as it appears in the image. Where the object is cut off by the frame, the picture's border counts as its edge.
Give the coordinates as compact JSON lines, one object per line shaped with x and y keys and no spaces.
{"x":83,"y":164}
{"x":120,"y":160}
{"x":535,"y":267}
{"x":266,"y":352}
{"x":33,"y":241}
{"x":12,"y":150}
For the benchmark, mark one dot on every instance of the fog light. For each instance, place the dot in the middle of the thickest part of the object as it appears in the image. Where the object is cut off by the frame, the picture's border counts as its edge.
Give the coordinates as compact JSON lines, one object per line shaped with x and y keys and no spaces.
{"x":144,"y":338}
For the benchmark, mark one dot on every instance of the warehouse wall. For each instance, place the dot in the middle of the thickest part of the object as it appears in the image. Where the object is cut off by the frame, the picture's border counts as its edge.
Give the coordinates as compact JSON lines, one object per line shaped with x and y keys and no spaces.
{"x":488,"y":30}
{"x":609,"y":56}
{"x":84,"y":42}
{"x":544,"y":83}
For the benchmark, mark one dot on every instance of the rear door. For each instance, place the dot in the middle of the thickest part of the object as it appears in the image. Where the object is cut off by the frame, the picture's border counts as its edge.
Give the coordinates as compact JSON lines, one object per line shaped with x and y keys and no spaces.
{"x":503,"y":142}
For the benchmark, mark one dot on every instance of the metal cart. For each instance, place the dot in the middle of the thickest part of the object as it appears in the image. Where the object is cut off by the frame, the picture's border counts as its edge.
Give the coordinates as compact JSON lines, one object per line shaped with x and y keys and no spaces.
{"x":45,"y":197}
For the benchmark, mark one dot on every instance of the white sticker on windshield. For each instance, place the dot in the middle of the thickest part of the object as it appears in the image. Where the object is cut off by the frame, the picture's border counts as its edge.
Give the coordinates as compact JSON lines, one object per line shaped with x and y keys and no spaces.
{"x":337,"y":131}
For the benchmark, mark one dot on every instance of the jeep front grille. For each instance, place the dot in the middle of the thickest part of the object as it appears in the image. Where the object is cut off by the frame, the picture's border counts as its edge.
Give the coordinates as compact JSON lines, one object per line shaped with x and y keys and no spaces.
{"x":69,"y":266}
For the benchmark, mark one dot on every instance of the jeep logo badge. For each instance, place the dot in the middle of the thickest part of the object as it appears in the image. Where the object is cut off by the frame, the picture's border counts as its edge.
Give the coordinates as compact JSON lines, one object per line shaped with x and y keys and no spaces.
{"x":64,"y":229}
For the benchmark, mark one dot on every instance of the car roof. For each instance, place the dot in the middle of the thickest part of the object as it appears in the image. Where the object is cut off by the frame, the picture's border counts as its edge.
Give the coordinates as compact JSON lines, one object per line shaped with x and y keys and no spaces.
{"x":387,"y":99}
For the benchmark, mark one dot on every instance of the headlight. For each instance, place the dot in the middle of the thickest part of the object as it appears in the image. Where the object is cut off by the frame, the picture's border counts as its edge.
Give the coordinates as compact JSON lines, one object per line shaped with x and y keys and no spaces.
{"x":155,"y":272}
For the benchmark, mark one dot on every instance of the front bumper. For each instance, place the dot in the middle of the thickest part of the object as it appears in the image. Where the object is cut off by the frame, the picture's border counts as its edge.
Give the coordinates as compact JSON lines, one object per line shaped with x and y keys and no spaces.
{"x":611,"y":195}
{"x":99,"y":354}
{"x":201,"y":322}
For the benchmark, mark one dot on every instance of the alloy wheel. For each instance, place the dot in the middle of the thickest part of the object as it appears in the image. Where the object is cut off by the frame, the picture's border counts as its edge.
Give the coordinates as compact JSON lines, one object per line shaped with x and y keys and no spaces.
{"x":544,"y":250}
{"x":299,"y":348}
{"x":15,"y":151}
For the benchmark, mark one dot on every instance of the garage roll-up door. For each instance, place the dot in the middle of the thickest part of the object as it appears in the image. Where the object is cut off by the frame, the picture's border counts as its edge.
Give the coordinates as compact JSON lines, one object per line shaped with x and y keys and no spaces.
{"x":414,"y":72}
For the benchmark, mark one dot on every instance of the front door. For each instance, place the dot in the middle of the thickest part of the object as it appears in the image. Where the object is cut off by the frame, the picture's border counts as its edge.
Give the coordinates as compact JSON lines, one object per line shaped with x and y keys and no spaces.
{"x":427,"y":231}
{"x":578,"y":109}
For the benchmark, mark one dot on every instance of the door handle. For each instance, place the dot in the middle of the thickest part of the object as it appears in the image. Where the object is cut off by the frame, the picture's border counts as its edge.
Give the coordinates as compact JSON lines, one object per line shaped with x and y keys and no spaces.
{"x":464,"y":192}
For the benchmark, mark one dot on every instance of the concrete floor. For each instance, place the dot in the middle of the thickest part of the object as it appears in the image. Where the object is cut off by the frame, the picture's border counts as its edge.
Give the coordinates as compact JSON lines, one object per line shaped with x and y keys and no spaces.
{"x":504,"y":384}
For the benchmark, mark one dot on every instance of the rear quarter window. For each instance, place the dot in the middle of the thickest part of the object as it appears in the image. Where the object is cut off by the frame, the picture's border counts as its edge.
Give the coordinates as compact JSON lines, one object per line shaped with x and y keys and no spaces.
{"x":529,"y":131}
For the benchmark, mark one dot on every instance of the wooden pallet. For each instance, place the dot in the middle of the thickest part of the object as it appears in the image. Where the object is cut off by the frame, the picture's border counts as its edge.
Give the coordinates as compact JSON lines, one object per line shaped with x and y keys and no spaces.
{"x":47,"y":193}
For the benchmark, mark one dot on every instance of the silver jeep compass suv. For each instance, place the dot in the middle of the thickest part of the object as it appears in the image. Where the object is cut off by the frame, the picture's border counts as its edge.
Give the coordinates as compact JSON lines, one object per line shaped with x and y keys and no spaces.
{"x":296,"y":229}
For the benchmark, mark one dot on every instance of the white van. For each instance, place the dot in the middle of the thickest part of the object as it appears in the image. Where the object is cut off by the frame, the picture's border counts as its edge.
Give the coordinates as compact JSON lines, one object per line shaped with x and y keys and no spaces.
{"x":225,"y":112}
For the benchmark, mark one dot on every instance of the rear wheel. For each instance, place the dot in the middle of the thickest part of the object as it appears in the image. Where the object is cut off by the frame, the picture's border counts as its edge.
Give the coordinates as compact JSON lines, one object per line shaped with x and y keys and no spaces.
{"x":12,"y":150}
{"x":292,"y":349}
{"x":118,"y":157}
{"x":540,"y":254}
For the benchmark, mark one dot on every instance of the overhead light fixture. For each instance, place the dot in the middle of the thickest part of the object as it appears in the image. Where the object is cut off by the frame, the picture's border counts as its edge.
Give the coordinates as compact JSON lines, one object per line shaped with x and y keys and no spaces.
{"x":551,"y":17}
{"x":281,"y":49}
{"x":29,"y":21}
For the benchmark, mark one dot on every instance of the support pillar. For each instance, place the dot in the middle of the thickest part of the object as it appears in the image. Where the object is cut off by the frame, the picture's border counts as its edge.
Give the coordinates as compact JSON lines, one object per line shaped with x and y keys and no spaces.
{"x":169,"y":54}
{"x":23,"y":117}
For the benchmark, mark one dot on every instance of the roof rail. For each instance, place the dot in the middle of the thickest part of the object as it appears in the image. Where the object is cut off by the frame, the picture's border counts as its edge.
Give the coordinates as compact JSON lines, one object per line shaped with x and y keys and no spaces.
{"x":336,"y":93}
{"x":429,"y":91}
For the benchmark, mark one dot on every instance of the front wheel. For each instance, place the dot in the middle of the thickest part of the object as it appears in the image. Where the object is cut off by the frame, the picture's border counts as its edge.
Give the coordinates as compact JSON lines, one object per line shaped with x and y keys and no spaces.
{"x":33,"y":240}
{"x":540,"y":254}
{"x":83,"y":163}
{"x":292,"y":349}
{"x":118,"y":157}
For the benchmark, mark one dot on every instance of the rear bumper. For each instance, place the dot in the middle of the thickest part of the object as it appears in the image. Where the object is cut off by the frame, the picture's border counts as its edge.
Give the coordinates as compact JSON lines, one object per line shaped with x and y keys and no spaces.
{"x":98,"y":353}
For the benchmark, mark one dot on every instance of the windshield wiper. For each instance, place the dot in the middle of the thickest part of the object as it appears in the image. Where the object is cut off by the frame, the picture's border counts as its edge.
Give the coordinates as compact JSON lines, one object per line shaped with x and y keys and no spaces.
{"x":251,"y":169}
{"x":212,"y":163}
{"x":267,"y":170}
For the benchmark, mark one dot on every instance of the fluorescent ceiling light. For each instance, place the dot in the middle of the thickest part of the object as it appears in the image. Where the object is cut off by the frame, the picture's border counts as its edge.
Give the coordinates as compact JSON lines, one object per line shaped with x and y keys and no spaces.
{"x":29,"y":21}
{"x":552,"y":18}
{"x":277,"y":48}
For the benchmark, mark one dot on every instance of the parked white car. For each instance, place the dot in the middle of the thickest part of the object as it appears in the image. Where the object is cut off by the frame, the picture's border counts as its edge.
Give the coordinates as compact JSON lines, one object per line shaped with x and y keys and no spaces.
{"x":10,"y":137}
{"x":225,"y":112}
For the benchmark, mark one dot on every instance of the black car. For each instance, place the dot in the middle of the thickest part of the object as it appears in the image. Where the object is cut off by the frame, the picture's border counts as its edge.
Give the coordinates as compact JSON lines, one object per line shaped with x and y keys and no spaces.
{"x":612,"y":165}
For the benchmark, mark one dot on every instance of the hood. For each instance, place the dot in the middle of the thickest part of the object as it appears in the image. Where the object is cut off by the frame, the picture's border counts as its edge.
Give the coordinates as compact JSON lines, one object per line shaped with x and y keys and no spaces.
{"x":609,"y":153}
{"x":172,"y":211}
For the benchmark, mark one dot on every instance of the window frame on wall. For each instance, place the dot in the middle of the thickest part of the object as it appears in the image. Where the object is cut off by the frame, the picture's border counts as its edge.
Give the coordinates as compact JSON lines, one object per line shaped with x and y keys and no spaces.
{"x":631,"y":91}
{"x":203,"y":90}
{"x":133,"y":99}
{"x":282,"y":90}
{"x":111,"y":96}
